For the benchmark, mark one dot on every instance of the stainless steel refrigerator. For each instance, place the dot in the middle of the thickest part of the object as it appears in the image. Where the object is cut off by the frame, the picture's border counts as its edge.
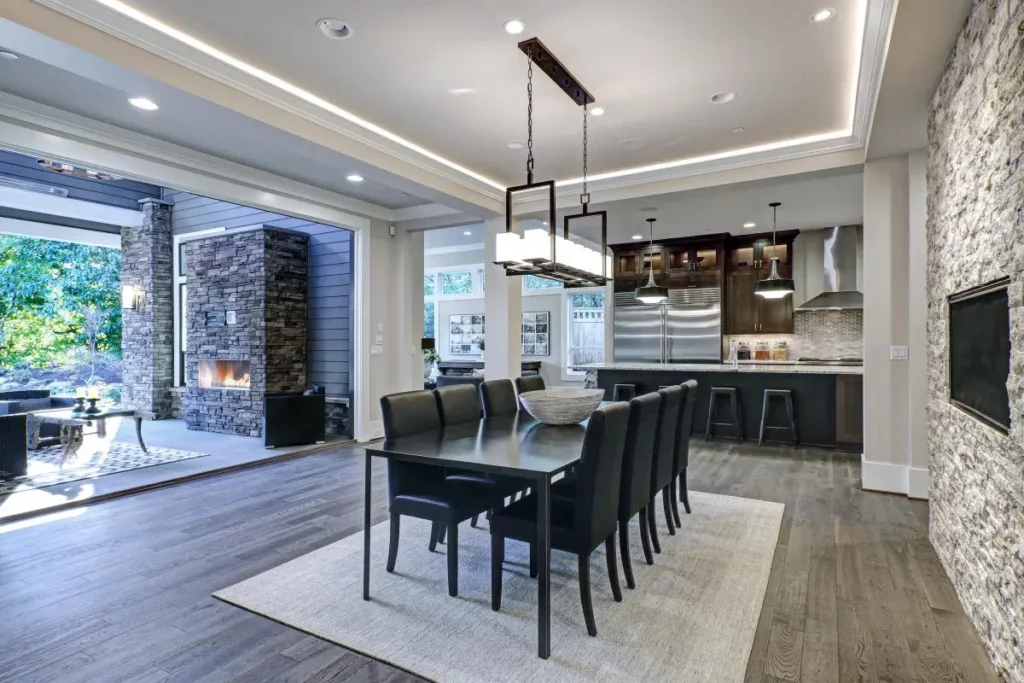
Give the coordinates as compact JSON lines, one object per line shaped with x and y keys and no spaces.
{"x":688,"y":327}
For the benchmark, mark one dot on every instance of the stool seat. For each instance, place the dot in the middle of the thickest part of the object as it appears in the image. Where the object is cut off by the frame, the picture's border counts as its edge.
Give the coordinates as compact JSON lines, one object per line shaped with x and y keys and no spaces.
{"x":624,"y":392}
{"x":786,"y":396}
{"x":736,"y":423}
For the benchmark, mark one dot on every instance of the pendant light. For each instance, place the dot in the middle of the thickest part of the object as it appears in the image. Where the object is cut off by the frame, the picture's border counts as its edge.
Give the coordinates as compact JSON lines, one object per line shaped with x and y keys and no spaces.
{"x":774,"y":286}
{"x":651,"y":293}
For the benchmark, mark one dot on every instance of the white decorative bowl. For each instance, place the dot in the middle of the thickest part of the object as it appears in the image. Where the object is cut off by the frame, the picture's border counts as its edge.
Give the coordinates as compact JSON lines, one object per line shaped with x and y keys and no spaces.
{"x":562,"y":406}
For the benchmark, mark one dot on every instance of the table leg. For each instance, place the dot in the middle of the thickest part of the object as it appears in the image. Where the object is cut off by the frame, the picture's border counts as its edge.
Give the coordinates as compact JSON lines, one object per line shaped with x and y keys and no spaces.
{"x":366,"y":527}
{"x":33,"y":430}
{"x":544,"y":566}
{"x":101,"y":428}
{"x":138,"y":433}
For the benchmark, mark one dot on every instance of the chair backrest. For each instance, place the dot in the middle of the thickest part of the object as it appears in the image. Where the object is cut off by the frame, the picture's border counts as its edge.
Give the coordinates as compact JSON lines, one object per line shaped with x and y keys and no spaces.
{"x":455,"y":380}
{"x":600,"y":475}
{"x":685,"y":426}
{"x":499,"y":398}
{"x":409,"y":412}
{"x":665,"y":442}
{"x":534,"y":383}
{"x":458,"y":404}
{"x":639,"y":454}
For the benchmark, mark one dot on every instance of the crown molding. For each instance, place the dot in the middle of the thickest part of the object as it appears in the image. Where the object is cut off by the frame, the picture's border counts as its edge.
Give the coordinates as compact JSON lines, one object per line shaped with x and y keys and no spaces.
{"x":878,"y":18}
{"x":37,"y":129}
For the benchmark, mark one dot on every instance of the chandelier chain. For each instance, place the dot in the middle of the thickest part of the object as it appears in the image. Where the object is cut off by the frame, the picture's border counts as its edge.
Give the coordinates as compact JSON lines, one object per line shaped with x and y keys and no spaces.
{"x":529,"y":116}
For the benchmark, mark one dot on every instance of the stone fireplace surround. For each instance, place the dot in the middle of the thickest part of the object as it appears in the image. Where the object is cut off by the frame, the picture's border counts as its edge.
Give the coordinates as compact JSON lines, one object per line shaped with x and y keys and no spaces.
{"x":976,"y":235}
{"x":247,"y":304}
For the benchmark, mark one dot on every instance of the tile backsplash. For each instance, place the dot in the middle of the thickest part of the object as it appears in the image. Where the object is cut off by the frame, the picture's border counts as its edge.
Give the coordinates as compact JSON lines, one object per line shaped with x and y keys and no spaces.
{"x":816,"y":334}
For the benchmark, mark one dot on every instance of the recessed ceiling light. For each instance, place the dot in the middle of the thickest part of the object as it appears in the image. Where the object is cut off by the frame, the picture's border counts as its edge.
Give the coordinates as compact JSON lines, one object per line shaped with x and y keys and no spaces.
{"x":638,"y":237}
{"x":514,"y":145}
{"x":334,"y":28}
{"x":467,"y":233}
{"x":8,"y":55}
{"x":143,"y":103}
{"x":460,"y":91}
{"x":597,"y":111}
{"x":543,"y":222}
{"x":723,"y":97}
{"x":739,"y":129}
{"x":823,"y":15}
{"x":748,"y":226}
{"x":648,"y":209}
{"x":514,"y":26}
{"x":354,"y":178}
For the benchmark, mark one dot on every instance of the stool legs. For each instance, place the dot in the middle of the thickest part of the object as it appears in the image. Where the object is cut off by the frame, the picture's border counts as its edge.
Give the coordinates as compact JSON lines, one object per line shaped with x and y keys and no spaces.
{"x":787,"y":399}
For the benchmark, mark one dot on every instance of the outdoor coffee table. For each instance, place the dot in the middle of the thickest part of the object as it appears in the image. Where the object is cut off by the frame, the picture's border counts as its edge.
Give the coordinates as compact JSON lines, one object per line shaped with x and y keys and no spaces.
{"x":72,"y":426}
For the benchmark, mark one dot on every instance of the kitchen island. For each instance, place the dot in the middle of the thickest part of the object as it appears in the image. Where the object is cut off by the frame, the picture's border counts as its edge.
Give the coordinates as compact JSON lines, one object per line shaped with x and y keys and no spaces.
{"x":827,"y":398}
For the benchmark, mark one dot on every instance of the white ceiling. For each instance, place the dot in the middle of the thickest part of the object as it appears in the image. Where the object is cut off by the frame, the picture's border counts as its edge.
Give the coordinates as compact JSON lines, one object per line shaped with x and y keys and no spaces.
{"x":653,"y":64}
{"x":923,"y":35}
{"x":183,"y":119}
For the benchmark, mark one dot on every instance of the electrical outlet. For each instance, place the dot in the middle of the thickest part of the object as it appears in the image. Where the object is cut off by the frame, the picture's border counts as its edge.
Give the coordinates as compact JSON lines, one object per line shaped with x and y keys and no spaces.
{"x":899,"y":353}
{"x":379,"y":339}
{"x":376,"y":350}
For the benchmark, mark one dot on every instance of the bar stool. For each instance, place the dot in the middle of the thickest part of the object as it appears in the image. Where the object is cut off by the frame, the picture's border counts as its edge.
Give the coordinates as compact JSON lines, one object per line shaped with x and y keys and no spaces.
{"x":786,"y":395}
{"x":734,"y":403}
{"x":624,"y":392}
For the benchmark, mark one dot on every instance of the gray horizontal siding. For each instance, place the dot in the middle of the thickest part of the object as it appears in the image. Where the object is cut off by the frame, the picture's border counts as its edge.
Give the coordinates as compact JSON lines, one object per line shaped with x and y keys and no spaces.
{"x":122,"y":193}
{"x":330,"y":278}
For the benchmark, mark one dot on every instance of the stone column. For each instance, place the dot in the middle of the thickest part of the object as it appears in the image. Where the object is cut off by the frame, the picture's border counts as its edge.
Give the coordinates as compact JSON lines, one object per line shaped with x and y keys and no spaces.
{"x":503,"y":308}
{"x":148,"y":333}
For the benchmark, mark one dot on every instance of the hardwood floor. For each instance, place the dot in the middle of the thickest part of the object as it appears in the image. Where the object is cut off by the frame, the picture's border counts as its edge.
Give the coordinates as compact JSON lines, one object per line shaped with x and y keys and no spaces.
{"x":121,"y":591}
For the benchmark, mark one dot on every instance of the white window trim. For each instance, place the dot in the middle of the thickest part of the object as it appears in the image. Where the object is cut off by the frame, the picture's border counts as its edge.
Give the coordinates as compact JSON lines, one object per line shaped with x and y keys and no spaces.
{"x":567,"y":374}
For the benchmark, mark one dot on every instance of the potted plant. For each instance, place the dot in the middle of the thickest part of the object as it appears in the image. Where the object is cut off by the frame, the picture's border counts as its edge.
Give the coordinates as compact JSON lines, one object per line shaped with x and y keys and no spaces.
{"x":430,"y":356}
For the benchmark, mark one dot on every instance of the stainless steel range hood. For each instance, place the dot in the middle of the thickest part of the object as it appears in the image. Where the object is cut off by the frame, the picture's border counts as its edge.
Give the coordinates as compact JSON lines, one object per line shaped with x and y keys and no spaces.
{"x":839,"y":264}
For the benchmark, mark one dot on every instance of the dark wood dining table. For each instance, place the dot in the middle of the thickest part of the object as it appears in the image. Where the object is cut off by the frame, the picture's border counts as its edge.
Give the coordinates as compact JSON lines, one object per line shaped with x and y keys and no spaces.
{"x":519,"y":446}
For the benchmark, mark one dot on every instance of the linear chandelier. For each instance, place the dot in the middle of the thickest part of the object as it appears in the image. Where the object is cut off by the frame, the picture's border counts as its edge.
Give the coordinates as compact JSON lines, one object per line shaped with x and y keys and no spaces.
{"x":545,"y":253}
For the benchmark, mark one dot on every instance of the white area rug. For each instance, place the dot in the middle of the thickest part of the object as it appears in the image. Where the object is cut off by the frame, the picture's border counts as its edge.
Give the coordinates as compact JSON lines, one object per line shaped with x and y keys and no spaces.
{"x":691,"y":618}
{"x":95,"y":458}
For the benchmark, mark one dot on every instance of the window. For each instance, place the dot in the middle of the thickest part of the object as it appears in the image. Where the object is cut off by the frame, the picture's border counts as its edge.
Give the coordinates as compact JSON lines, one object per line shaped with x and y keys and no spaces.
{"x":457,"y":282}
{"x":428,"y":319}
{"x":585,"y":330}
{"x":532,"y":283}
{"x":428,"y":285}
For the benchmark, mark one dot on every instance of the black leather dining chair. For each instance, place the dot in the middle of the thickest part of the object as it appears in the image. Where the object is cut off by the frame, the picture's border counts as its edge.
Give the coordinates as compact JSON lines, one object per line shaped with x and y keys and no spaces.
{"x":664,"y":460}
{"x":578,"y":525}
{"x":532,"y":383}
{"x":499,"y":398}
{"x":423,"y":491}
{"x":635,"y":493}
{"x":682,"y":459}
{"x":458,"y":404}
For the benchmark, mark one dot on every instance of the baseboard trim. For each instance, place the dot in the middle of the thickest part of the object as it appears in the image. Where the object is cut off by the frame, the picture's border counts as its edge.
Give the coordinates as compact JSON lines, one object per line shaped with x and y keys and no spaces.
{"x":919,"y":483}
{"x":886,"y":477}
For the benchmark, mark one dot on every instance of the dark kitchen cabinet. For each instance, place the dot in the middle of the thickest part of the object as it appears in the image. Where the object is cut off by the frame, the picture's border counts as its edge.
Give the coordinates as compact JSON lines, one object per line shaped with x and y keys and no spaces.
{"x":774,"y":316}
{"x":849,"y":411}
{"x":741,"y":302}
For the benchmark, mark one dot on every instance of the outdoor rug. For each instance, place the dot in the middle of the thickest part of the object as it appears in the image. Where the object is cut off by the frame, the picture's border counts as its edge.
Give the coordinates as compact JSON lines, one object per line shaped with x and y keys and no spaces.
{"x":95,"y":458}
{"x":691,"y":618}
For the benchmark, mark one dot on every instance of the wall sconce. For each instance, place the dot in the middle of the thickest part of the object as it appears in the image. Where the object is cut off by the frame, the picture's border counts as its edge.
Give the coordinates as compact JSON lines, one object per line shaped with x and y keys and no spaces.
{"x":133,"y":298}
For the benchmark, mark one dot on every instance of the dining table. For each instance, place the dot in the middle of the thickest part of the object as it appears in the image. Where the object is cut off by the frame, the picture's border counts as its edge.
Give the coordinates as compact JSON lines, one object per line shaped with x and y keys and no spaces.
{"x":518,"y":446}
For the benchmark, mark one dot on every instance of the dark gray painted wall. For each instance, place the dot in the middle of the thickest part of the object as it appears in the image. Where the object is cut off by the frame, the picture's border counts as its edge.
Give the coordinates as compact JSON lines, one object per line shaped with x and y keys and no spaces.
{"x":330,"y":278}
{"x":123,"y":193}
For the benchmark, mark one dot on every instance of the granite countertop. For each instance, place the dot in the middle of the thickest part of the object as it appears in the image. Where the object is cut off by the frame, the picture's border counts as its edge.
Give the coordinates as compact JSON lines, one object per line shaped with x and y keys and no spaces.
{"x":791,"y":367}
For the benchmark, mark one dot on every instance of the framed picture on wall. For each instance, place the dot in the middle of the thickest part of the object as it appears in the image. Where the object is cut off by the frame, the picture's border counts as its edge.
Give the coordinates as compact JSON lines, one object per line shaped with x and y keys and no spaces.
{"x":536,"y":333}
{"x":465,"y":334}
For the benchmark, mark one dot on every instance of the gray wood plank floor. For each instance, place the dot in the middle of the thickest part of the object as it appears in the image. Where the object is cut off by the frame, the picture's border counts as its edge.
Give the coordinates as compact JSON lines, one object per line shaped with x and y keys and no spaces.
{"x":121,"y":591}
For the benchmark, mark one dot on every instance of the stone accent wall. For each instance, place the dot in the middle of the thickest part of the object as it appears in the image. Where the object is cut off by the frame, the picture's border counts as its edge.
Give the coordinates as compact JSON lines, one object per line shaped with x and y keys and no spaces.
{"x":148,"y":334}
{"x":816,"y":334}
{"x":259,"y":276}
{"x":177,"y":393}
{"x":976,"y":235}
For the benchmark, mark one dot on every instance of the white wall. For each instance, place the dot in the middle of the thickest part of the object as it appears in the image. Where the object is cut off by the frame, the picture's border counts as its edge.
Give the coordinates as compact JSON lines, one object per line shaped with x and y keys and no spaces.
{"x":894,"y":262}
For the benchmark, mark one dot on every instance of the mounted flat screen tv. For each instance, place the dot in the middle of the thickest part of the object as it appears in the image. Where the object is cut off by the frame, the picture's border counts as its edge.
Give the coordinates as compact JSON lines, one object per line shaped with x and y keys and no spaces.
{"x":979,"y":353}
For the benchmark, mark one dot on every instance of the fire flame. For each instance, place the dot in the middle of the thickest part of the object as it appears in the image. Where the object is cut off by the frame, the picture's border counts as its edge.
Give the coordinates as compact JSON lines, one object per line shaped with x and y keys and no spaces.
{"x":231,"y":374}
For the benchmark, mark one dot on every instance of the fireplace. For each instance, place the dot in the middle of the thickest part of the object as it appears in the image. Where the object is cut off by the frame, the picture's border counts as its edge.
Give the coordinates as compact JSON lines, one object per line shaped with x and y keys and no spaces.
{"x":224,"y":374}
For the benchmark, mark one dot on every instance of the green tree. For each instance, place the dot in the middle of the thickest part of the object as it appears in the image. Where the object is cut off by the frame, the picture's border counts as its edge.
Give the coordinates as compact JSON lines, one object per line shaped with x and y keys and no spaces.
{"x":24,"y":286}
